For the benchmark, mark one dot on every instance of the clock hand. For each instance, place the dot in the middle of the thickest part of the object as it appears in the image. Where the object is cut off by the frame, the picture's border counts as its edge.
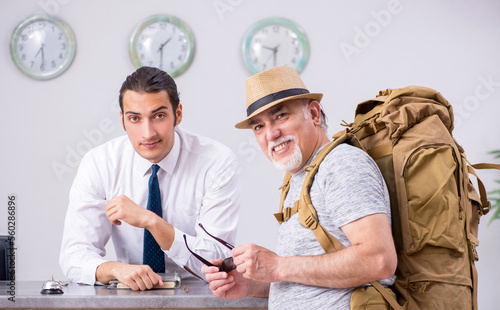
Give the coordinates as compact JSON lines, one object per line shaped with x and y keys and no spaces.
{"x":275,"y":53}
{"x":43,"y":56}
{"x":165,"y":43}
{"x":160,"y":50}
{"x":268,"y":58}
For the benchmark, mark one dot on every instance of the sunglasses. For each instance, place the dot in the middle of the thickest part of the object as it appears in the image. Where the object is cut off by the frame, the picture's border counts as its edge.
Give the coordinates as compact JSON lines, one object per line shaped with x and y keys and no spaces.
{"x":227,"y":264}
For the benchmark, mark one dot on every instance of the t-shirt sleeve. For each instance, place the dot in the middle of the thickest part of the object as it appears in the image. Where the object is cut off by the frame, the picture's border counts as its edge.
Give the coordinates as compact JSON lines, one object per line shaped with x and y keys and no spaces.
{"x":353,"y":185}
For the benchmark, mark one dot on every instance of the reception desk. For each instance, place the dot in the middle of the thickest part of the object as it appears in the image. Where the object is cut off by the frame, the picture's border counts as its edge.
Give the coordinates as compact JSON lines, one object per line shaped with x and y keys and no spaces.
{"x":192,"y":294}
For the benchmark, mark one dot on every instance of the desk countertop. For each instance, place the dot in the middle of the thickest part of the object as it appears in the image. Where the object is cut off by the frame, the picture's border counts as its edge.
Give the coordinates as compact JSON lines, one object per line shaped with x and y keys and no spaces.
{"x":196,"y":295}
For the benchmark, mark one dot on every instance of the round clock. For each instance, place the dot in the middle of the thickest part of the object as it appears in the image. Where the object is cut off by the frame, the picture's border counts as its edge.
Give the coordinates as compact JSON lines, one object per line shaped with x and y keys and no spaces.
{"x":274,"y":42}
{"x":162,"y":41}
{"x":42,"y":47}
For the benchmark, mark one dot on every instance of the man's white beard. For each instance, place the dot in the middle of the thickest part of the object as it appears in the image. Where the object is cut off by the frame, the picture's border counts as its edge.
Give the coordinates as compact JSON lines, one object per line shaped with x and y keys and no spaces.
{"x":290,"y":163}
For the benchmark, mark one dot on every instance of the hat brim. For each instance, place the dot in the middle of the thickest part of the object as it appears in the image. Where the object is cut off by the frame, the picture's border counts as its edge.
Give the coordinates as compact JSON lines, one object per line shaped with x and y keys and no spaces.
{"x":244,"y":123}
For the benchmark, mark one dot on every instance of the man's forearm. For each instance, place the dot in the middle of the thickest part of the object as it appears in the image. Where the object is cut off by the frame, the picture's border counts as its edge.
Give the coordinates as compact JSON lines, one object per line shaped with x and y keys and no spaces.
{"x":355,"y":265}
{"x":163,"y":232}
{"x":104,"y":272}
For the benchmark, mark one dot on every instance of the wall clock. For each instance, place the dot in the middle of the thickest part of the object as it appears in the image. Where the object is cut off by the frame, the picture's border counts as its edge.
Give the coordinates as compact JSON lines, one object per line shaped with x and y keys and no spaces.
{"x":42,"y":47}
{"x":273,"y":42}
{"x":162,"y":41}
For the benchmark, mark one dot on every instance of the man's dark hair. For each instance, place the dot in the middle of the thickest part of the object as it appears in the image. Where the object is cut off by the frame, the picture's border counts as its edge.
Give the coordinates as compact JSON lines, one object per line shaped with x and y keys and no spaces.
{"x":150,"y":80}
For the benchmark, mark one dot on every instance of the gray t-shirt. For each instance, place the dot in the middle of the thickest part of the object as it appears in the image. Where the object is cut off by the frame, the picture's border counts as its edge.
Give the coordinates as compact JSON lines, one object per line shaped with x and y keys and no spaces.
{"x":347,"y":187}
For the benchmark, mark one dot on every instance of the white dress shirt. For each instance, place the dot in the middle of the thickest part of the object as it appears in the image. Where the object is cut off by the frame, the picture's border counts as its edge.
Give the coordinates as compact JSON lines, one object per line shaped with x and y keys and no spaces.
{"x":198,"y":184}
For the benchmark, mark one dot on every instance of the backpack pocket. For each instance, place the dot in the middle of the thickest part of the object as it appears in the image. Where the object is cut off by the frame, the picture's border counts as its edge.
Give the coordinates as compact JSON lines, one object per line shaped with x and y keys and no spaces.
{"x":430,"y":174}
{"x":473,"y":216}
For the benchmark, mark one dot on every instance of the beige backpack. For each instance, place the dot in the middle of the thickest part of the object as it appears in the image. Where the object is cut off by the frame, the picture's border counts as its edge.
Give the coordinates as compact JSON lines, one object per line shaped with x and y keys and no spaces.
{"x":435,"y":208}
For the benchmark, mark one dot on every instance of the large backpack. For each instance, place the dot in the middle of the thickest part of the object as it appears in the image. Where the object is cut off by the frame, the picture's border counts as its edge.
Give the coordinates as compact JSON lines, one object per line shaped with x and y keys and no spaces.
{"x":435,"y":207}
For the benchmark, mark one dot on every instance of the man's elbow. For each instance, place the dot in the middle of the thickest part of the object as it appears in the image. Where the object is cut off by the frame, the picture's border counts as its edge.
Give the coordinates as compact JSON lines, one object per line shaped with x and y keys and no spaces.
{"x":386,"y":265}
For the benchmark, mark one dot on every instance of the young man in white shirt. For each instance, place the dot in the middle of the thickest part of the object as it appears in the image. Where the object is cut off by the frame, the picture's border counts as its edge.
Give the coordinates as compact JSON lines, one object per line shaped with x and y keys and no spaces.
{"x":197,"y":180}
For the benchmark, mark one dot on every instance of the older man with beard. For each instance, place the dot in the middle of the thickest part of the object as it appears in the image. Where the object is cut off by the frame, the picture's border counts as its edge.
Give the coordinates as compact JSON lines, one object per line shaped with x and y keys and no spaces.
{"x":348,"y":193}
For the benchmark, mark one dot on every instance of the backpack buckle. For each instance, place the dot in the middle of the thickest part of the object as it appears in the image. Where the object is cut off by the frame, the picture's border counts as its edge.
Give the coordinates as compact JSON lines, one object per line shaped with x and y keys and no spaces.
{"x":309,"y":221}
{"x":287,"y":213}
{"x":279,"y":217}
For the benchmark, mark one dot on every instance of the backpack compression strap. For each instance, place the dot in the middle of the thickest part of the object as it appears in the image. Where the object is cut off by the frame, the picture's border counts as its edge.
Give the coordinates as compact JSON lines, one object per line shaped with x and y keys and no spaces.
{"x":309,"y":218}
{"x":482,"y":191}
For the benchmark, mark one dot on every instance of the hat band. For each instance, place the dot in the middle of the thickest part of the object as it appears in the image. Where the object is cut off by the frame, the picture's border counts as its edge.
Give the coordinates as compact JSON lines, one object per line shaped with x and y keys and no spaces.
{"x":273,"y":97}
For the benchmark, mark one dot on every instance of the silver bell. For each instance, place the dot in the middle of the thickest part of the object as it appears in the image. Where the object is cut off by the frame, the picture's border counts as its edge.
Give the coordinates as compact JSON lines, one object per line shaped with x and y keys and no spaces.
{"x":52,"y":287}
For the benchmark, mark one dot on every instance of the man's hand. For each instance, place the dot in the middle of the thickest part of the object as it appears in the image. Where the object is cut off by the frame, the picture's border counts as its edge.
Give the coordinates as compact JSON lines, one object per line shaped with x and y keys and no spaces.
{"x":122,"y":208}
{"x":232,"y":285}
{"x":137,"y":277}
{"x":256,"y":263}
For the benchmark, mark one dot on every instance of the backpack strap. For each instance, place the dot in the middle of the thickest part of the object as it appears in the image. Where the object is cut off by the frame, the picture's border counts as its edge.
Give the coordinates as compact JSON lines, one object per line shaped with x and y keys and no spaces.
{"x":482,"y":191}
{"x":285,"y":213}
{"x":285,"y":187}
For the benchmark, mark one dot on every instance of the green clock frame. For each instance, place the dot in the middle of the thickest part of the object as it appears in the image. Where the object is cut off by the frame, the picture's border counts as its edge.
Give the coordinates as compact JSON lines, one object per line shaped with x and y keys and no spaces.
{"x":183,"y":56}
{"x":42,"y":47}
{"x":260,"y":32}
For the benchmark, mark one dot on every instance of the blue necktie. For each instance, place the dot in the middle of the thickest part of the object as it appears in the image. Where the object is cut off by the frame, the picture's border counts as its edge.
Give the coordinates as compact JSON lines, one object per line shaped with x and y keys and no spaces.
{"x":153,"y":254}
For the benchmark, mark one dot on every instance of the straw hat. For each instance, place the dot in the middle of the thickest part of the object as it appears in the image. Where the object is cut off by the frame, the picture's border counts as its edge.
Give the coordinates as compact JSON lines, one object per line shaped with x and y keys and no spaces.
{"x":273,"y":86}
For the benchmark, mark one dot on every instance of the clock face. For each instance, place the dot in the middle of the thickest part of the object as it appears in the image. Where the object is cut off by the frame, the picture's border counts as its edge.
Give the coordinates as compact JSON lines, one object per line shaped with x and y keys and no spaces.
{"x":164,"y":42}
{"x":42,"y":47}
{"x":274,"y":42}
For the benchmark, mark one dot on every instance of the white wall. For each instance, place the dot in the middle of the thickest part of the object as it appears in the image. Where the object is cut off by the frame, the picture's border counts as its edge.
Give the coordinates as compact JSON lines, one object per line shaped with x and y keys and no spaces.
{"x":451,"y":46}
